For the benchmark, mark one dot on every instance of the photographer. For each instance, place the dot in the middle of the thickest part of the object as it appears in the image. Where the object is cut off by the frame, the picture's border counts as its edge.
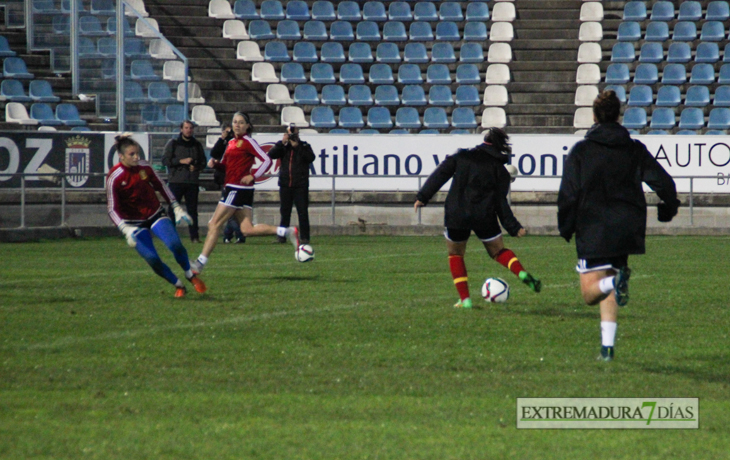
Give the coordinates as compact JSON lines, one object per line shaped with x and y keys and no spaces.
{"x":296,"y":156}
{"x":219,"y":177}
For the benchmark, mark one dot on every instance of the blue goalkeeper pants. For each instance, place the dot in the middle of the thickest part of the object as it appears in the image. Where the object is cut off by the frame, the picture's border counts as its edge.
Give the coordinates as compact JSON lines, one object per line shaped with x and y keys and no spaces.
{"x":165,"y":230}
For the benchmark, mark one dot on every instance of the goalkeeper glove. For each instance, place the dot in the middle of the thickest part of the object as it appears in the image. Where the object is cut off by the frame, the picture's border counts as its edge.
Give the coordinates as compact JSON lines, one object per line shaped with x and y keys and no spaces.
{"x":129,"y":231}
{"x":180,"y":214}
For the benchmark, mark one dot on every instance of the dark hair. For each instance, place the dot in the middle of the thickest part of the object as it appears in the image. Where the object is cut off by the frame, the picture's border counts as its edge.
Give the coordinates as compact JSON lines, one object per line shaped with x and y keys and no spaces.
{"x":225,"y":125}
{"x":190,"y":122}
{"x":499,"y":139}
{"x":124,"y":141}
{"x":248,"y":120}
{"x":606,"y":107}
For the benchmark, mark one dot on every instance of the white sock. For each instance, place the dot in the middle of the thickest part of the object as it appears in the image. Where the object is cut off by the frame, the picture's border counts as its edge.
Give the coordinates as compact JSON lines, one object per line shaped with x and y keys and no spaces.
{"x":179,"y":284}
{"x":202,"y":259}
{"x":281,"y":231}
{"x":608,"y":333}
{"x":189,"y":274}
{"x":606,"y":284}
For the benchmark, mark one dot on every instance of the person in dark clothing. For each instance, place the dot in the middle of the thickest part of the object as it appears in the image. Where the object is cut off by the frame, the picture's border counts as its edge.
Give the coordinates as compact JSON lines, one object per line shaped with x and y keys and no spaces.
{"x":232,"y":229}
{"x":184,"y":157}
{"x":296,"y":156}
{"x":601,"y":201}
{"x":477,"y":200}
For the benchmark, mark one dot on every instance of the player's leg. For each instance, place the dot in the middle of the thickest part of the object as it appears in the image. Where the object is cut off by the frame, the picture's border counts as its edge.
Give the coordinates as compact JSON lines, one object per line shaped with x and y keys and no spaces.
{"x":505,"y":257}
{"x":597,"y":279}
{"x":602,"y":277}
{"x":165,"y":231}
{"x":146,"y":249}
{"x":220,"y":216}
{"x":191,"y":204}
{"x":456,"y":240}
{"x":286,"y":201}
{"x":301,"y":201}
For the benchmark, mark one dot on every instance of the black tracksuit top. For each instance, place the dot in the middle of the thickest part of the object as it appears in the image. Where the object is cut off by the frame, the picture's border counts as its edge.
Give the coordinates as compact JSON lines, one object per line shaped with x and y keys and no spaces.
{"x":295,"y":161}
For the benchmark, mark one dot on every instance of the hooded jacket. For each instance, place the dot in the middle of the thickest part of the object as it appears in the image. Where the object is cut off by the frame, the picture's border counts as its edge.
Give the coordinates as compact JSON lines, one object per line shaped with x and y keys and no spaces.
{"x":177,"y":149}
{"x":295,"y":161}
{"x":601,"y":199}
{"x":478,"y":190}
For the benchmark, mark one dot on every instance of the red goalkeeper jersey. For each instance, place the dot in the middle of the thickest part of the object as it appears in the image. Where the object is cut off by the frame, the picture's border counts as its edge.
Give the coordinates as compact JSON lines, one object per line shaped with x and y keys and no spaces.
{"x":130,"y":193}
{"x":239,"y":159}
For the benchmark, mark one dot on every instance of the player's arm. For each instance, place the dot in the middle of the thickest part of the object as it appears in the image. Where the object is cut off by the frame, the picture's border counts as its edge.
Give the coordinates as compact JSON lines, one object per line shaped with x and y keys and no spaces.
{"x":168,"y":156}
{"x":306,"y":152}
{"x":113,"y":202}
{"x":277,"y":151}
{"x":568,"y":196}
{"x":263,"y":157}
{"x":437,"y":179}
{"x":659,"y":180}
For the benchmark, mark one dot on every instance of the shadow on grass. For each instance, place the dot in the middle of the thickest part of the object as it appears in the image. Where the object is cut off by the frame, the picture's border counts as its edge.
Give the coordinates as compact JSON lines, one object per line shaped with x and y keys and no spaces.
{"x":556,"y":312}
{"x":713,"y":369}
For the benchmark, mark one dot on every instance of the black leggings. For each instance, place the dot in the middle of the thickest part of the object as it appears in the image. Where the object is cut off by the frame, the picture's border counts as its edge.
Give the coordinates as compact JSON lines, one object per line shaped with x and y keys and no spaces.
{"x":298,"y":196}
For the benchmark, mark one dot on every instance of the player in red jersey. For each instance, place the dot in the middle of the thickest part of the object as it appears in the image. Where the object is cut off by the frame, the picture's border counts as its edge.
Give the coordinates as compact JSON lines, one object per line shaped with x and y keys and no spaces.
{"x":131,"y":190}
{"x":237,"y":197}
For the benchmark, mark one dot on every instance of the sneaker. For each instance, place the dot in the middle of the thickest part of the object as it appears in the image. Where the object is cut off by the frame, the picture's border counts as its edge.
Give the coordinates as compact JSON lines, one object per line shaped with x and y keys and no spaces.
{"x":621,"y":286}
{"x":533,"y":283}
{"x":466,"y":303}
{"x":196,"y":266}
{"x":226,"y":240}
{"x":198,"y":284}
{"x":180,"y":292}
{"x":303,"y":241}
{"x":241,"y":240}
{"x":606,"y":354}
{"x":292,"y":235}
{"x":280,"y":240}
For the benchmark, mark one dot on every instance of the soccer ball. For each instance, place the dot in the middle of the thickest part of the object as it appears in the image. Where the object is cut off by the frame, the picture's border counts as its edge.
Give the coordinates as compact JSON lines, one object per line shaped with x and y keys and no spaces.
{"x":495,"y":290}
{"x":304,"y":253}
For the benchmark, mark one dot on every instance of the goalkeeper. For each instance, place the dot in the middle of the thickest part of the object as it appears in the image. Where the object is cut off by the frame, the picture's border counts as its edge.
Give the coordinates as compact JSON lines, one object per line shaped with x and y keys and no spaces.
{"x":134,"y":207}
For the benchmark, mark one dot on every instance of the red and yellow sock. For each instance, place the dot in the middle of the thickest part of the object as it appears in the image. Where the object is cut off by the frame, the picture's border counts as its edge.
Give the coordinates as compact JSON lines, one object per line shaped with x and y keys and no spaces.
{"x":508,"y":258}
{"x":458,"y":272}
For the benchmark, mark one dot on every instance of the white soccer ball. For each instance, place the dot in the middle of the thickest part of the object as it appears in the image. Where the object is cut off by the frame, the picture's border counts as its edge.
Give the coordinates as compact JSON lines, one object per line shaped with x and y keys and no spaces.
{"x":495,"y":290}
{"x":304,"y":253}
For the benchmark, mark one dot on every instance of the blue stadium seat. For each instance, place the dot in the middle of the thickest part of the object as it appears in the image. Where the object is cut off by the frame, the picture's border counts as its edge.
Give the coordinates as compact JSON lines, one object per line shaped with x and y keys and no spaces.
{"x":471,"y":53}
{"x":386,"y":95}
{"x":359,"y":95}
{"x":175,"y":114}
{"x":407,"y":117}
{"x":686,"y":132}
{"x":678,"y":52}
{"x":135,"y":48}
{"x":387,"y":53}
{"x":459,"y":131}
{"x":668,"y":96}
{"x":619,"y":90}
{"x":271,"y":10}
{"x":351,"y":74}
{"x":360,"y":53}
{"x":367,"y":31}
{"x":323,"y":11}
{"x":91,"y":26}
{"x":475,"y":31}
{"x":322,"y":117}
{"x":663,"y":118}
{"x":61,"y":25}
{"x":276,"y":52}
{"x":634,"y":11}
{"x":674,"y":74}
{"x":14,"y":67}
{"x":697,"y":96}
{"x":440,"y":95}
{"x":304,"y":52}
{"x":623,"y":52}
{"x":379,"y":117}
{"x":87,"y":49}
{"x":467,"y":95}
{"x":662,"y":11}
{"x":719,"y":118}
{"x":258,"y":29}
{"x":399,"y":11}
{"x":342,"y":30}
{"x":653,"y":51}
{"x":691,"y":118}
{"x":348,"y":11}
{"x":66,"y":6}
{"x":444,"y":52}
{"x":447,"y":31}
{"x":305,"y":95}
{"x":425,"y":11}
{"x":368,"y":131}
{"x":111,"y":26}
{"x":413,"y":95}
{"x":415,"y":53}
{"x":333,"y":95}
{"x":141,"y":69}
{"x":322,"y":73}
{"x":398,"y":131}
{"x":647,"y":74}
{"x":712,"y":31}
{"x":41,"y":91}
{"x":133,"y":93}
{"x":707,"y":52}
{"x":658,"y":132}
{"x":409,"y":74}
{"x":332,"y":52}
{"x":467,"y":74}
{"x":435,"y":118}
{"x":44,"y":7}
{"x":315,"y":31}
{"x":69,"y":115}
{"x":634,"y":118}
{"x":618,"y":74}
{"x":450,"y":11}
{"x":429,"y":131}
{"x":159,"y":92}
{"x":629,"y":31}
{"x":293,"y":72}
{"x":684,"y":31}
{"x":5,"y":50}
{"x":702,"y":74}
{"x":690,"y":11}
{"x":722,"y":96}
{"x":640,"y":96}
{"x":381,"y":74}
{"x":44,"y":114}
{"x":245,"y":9}
{"x":288,"y":30}
{"x":477,"y":11}
{"x":297,"y":10}
{"x":339,"y":131}
{"x":109,"y":69}
{"x":657,"y":32}
{"x":374,"y":11}
{"x":718,"y":11}
{"x":715,"y":132}
{"x":394,"y":31}
{"x":351,"y":117}
{"x":13,"y":91}
{"x":438,"y":74}
{"x":107,"y":47}
{"x":724,"y":76}
{"x":463,"y":117}
{"x":420,"y":31}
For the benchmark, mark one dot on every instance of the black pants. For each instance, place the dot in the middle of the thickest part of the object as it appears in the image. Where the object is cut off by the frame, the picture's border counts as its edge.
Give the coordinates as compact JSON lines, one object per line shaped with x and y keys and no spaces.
{"x":190,"y":193}
{"x":298,"y":196}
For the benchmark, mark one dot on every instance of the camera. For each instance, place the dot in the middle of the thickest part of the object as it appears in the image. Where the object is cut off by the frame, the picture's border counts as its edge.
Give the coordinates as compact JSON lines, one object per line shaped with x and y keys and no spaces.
{"x":293,"y":133}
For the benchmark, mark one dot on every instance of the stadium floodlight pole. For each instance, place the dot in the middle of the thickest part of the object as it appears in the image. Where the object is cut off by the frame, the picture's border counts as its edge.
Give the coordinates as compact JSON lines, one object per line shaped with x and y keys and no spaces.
{"x":121,"y":119}
{"x":75,"y":47}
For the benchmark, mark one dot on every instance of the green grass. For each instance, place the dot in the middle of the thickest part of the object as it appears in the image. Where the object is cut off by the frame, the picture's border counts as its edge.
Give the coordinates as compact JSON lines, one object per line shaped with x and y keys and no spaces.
{"x":357,"y":355}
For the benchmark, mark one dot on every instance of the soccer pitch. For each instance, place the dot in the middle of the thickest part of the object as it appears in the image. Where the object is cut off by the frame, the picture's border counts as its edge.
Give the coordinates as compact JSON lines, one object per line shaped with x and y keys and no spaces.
{"x":356,"y":355}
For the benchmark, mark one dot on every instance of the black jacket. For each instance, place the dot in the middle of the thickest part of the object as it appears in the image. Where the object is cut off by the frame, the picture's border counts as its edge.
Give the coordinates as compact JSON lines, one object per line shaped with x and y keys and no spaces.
{"x":478,"y":191}
{"x":601,"y":199}
{"x":219,"y":175}
{"x":177,"y":149}
{"x":295,"y":161}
